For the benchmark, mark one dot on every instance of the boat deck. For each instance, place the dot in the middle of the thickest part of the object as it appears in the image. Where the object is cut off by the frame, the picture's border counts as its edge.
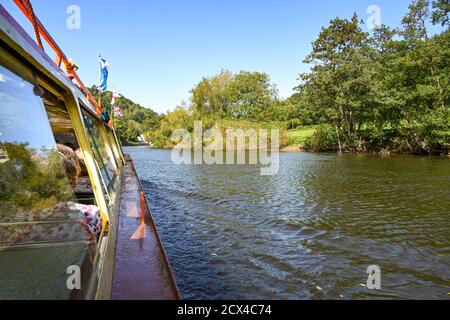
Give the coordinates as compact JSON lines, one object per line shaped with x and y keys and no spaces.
{"x":141,"y":270}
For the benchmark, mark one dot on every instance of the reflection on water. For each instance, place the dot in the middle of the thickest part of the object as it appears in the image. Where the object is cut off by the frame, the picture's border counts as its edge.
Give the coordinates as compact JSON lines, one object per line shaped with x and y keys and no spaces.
{"x":309,"y":232}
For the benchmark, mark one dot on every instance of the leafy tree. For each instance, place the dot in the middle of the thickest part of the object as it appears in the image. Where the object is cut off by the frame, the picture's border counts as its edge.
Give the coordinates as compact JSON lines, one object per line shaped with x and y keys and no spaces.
{"x":388,"y":90}
{"x":250,"y":95}
{"x":211,"y":95}
{"x":300,"y":108}
{"x":414,"y":23}
{"x":245,"y":95}
{"x":340,"y":84}
{"x":441,"y":12}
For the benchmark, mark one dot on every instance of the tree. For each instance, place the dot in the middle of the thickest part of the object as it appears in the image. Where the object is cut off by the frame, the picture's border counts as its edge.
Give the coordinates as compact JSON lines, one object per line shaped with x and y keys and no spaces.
{"x":297,"y":107}
{"x":414,"y":23}
{"x":245,"y":95}
{"x":388,"y":90}
{"x":211,"y":95}
{"x":340,"y":82}
{"x":441,"y":12}
{"x":251,"y":94}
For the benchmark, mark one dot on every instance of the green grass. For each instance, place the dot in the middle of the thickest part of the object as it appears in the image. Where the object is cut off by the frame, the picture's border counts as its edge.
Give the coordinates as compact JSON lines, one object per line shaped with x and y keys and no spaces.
{"x":298,"y":136}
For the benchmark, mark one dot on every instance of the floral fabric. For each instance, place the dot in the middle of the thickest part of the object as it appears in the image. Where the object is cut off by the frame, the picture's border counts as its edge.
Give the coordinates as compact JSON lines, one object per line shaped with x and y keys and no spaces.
{"x":64,"y":222}
{"x":93,"y":217}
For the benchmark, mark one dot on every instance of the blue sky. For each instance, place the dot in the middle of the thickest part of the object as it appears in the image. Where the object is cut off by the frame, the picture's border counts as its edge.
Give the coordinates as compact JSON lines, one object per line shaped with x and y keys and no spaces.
{"x":159,"y":50}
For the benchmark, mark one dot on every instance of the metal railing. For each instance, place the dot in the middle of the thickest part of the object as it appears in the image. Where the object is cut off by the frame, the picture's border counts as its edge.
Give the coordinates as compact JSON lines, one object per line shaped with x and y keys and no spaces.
{"x":40,"y":31}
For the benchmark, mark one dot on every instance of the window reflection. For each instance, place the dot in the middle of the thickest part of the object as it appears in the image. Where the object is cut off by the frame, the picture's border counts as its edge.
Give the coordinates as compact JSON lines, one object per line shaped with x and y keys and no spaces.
{"x":31,"y":175}
{"x":42,"y":231}
{"x":104,"y":162}
{"x":113,"y":142}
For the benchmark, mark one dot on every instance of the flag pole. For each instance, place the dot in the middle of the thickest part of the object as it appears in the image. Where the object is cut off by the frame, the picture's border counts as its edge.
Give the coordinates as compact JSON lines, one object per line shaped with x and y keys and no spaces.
{"x":99,"y":104}
{"x":112,"y":107}
{"x":112,"y":116}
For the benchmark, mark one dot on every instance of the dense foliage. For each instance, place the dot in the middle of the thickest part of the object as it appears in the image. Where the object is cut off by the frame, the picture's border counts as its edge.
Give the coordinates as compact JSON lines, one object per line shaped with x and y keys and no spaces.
{"x":31,"y":180}
{"x":136,"y":119}
{"x":389,"y":90}
{"x":243,"y":100}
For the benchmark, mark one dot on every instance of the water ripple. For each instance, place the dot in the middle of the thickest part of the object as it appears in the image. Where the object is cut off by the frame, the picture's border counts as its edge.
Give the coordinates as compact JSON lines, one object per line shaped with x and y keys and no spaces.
{"x":307,"y":233}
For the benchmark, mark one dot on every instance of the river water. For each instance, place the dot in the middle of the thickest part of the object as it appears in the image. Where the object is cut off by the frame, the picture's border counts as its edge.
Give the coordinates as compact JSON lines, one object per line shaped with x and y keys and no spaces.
{"x":309,"y":232}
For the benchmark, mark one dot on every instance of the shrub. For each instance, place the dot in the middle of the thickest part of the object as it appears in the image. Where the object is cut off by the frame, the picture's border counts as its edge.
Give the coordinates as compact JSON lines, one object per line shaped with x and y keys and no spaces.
{"x":325,"y":138}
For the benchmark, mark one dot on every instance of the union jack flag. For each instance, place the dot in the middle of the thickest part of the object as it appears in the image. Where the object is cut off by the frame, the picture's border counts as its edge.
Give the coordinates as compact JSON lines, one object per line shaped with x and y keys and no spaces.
{"x":118,"y":112}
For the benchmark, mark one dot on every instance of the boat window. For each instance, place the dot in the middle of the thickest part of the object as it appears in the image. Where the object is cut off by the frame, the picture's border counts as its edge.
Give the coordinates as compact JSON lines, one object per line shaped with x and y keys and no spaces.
{"x":32,"y":177}
{"x":104,"y":162}
{"x":65,"y":137}
{"x":113,"y":142}
{"x":42,"y":229}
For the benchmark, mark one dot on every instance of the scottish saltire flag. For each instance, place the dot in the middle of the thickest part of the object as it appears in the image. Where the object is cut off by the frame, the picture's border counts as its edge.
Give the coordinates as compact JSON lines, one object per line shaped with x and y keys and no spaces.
{"x":103,"y":84}
{"x":118,"y":112}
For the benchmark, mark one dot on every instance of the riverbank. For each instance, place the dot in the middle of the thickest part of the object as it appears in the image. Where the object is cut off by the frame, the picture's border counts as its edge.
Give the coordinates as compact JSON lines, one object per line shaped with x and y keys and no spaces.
{"x":135,"y":144}
{"x":310,"y":139}
{"x":325,"y":139}
{"x":296,"y":139}
{"x":300,"y":149}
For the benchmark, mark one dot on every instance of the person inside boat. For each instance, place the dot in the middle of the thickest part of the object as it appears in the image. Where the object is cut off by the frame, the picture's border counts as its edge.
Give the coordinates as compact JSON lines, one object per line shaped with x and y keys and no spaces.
{"x":73,"y":169}
{"x":71,"y":164}
{"x":69,"y":140}
{"x":83,"y":167}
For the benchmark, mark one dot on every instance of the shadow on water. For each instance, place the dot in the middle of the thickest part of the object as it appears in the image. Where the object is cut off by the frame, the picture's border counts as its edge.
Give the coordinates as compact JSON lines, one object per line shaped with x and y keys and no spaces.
{"x":307,"y":233}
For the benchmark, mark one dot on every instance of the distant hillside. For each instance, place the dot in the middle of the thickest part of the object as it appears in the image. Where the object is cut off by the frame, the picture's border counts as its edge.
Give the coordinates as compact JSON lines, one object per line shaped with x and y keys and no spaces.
{"x":136,"y":119}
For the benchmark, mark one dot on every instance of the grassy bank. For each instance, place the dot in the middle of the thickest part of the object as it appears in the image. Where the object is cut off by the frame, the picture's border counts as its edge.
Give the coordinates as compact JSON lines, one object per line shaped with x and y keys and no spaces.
{"x":297,"y":138}
{"x":290,"y":140}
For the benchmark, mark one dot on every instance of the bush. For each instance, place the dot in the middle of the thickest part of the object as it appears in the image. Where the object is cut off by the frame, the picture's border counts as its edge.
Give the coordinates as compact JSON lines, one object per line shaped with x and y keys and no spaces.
{"x":324,"y":139}
{"x":294,"y":123}
{"x":158,"y":140}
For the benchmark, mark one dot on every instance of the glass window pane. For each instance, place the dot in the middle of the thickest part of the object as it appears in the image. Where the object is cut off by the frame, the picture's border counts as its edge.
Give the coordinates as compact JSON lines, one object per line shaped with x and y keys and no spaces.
{"x":42,"y":231}
{"x":104,"y":162}
{"x":32,"y":177}
{"x":113,"y":141}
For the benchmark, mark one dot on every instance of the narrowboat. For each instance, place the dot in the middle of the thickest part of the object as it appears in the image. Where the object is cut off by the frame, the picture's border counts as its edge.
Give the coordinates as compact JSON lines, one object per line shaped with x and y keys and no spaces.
{"x":74,"y":220}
